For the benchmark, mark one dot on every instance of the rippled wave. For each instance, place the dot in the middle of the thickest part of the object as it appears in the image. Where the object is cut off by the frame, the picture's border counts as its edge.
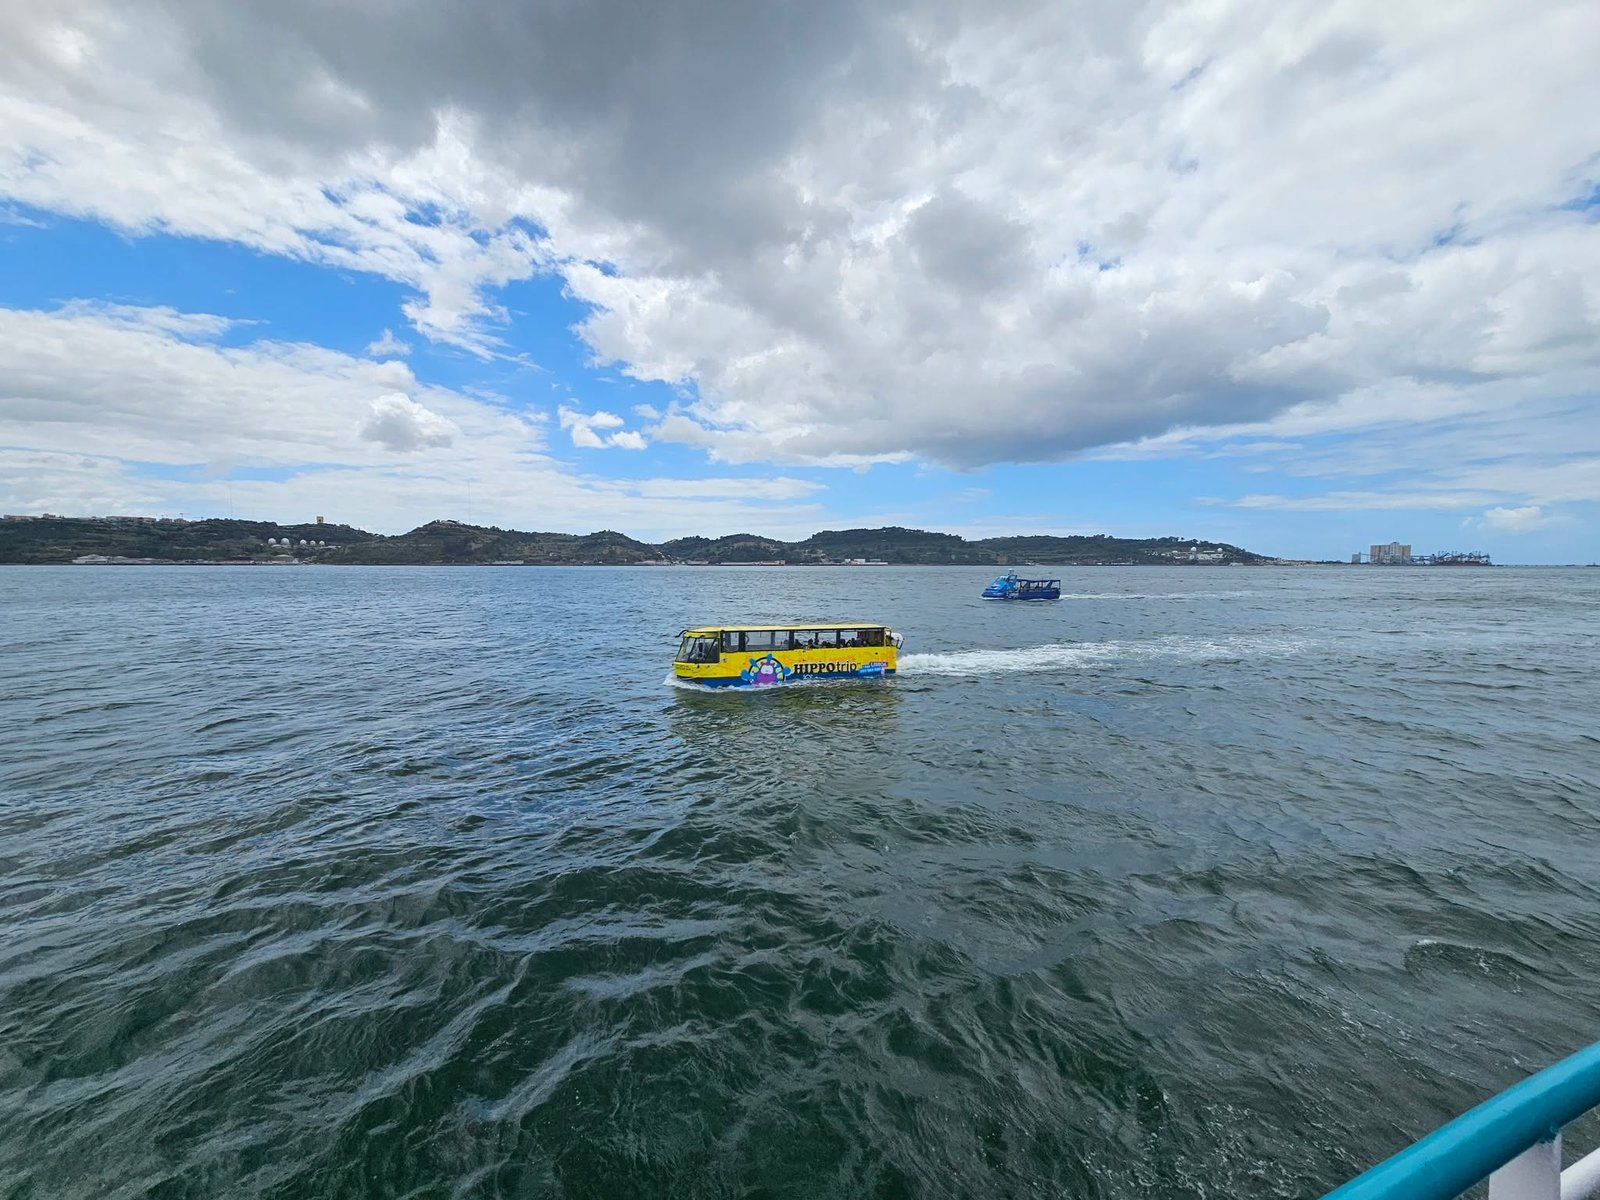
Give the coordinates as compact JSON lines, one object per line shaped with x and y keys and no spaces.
{"x":419,"y":883}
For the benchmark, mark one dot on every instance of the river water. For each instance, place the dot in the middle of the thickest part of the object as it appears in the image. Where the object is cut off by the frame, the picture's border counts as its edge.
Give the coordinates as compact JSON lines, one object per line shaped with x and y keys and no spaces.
{"x":423,"y":882}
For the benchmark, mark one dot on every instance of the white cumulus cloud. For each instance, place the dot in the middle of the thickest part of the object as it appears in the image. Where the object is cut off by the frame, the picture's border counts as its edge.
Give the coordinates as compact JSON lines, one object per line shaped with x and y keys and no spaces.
{"x":857,"y":233}
{"x":90,"y":396}
{"x":399,"y":423}
{"x":628,"y":439}
{"x":386,"y":345}
{"x":582,"y":426}
{"x":1516,"y":520}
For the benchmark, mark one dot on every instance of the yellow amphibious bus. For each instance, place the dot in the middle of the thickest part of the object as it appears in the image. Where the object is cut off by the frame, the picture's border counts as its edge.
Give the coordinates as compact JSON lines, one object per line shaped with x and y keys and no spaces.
{"x":760,"y":655}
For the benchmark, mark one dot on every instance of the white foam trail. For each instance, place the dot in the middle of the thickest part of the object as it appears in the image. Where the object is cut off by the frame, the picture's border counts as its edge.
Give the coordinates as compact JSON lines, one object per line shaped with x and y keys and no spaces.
{"x":1154,"y":595}
{"x":1068,"y":656}
{"x":703,"y":689}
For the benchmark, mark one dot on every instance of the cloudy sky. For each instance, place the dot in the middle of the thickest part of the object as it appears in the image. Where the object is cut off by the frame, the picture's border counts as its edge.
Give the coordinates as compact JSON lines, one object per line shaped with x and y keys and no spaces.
{"x":1294,"y":275}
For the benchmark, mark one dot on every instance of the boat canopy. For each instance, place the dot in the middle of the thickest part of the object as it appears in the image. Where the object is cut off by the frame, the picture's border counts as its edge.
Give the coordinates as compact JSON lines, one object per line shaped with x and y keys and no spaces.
{"x":709,"y":630}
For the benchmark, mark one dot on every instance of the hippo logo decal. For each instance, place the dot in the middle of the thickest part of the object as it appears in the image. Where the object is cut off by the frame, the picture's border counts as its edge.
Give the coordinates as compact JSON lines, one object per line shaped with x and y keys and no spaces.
{"x":764,"y":670}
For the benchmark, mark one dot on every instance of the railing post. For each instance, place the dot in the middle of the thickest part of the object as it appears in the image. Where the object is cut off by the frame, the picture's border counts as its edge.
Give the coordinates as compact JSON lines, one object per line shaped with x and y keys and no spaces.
{"x":1535,"y":1174}
{"x":1582,"y":1179}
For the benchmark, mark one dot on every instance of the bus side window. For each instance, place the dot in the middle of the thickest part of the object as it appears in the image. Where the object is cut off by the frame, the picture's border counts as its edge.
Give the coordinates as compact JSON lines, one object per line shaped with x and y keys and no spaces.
{"x":827,"y":638}
{"x":730,"y":642}
{"x":872,"y":637}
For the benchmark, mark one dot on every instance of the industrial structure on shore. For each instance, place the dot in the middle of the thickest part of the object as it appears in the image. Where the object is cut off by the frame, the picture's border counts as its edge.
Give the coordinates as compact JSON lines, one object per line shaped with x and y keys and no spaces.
{"x":1398,"y":554}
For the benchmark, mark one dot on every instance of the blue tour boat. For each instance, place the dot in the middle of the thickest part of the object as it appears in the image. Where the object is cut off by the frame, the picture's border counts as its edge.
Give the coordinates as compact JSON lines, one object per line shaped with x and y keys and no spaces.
{"x":1009,"y":587}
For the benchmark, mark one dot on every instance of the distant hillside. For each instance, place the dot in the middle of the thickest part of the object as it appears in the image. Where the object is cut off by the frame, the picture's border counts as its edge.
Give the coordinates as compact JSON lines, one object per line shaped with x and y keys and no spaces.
{"x":892,"y":544}
{"x":1103,"y":548}
{"x":62,"y":539}
{"x":897,"y":545}
{"x":450,"y":542}
{"x":736,"y":547}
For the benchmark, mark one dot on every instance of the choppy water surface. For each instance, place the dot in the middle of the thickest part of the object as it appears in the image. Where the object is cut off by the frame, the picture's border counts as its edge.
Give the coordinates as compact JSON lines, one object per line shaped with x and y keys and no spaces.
{"x":412,"y":882}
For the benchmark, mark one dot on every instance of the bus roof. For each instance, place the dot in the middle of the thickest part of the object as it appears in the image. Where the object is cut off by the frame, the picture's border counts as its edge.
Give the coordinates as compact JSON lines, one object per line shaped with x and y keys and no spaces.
{"x":708,"y":630}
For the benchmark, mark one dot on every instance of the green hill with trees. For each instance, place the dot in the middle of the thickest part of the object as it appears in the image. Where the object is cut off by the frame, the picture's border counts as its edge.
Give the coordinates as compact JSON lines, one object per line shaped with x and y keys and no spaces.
{"x":735,"y":547}
{"x":452,"y":543}
{"x":64,"y":539}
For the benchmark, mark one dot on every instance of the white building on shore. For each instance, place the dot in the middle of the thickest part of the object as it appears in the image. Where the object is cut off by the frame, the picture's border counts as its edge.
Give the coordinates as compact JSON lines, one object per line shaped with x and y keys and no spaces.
{"x":1390,"y":554}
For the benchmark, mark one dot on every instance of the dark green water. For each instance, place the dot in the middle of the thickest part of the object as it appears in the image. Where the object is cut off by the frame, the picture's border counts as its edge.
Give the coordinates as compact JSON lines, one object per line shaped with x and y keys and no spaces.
{"x":412,"y":882}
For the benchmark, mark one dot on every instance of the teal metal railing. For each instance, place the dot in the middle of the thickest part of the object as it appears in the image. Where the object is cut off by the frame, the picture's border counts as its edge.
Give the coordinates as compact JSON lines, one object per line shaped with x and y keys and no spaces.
{"x":1513,"y":1140}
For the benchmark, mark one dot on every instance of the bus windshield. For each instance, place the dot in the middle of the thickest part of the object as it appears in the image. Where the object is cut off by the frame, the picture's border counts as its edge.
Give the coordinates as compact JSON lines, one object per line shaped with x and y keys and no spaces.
{"x":699,"y":650}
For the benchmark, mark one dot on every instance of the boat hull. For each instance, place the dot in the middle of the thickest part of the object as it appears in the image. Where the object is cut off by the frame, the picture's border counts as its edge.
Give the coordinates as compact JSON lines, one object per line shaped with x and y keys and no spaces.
{"x":735,"y":682}
{"x":782,"y":667}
